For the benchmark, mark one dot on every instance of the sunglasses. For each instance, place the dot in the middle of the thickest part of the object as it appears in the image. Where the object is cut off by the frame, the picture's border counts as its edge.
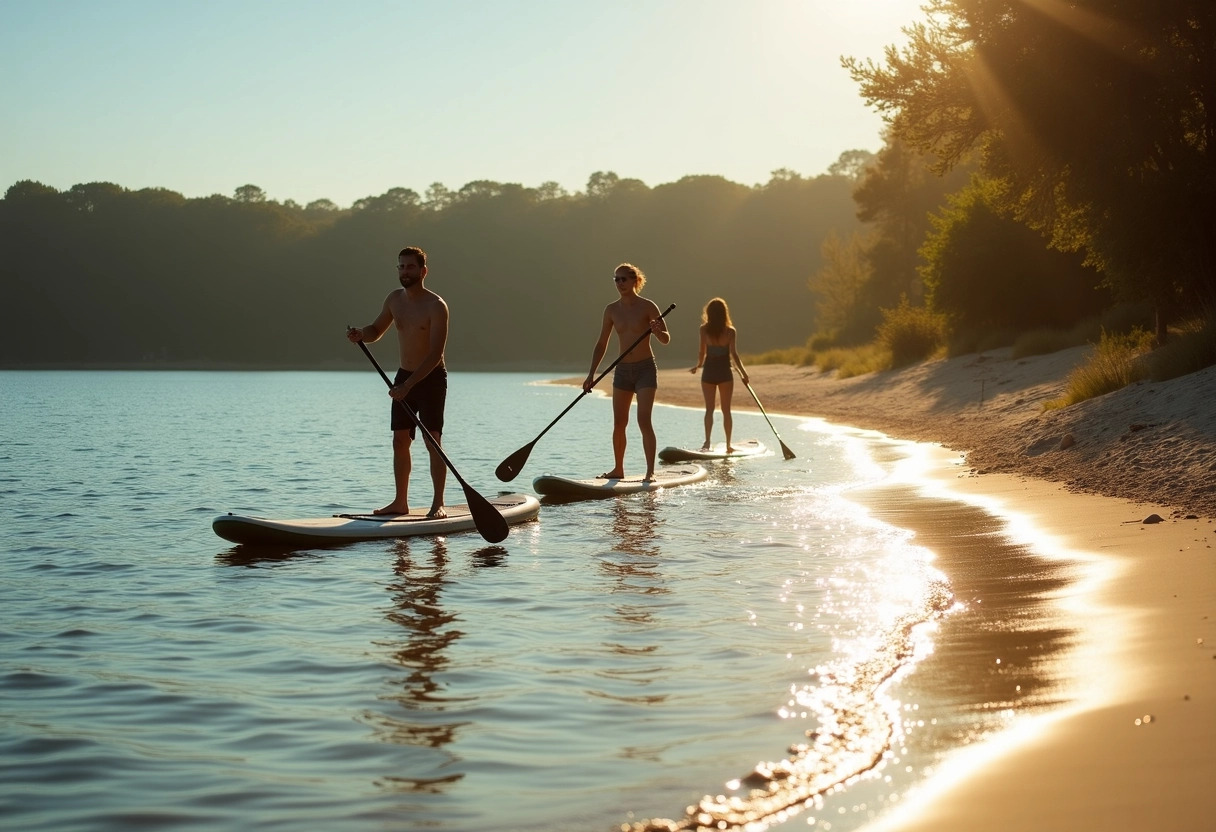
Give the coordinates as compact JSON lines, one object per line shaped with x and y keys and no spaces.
{"x":617,"y":278}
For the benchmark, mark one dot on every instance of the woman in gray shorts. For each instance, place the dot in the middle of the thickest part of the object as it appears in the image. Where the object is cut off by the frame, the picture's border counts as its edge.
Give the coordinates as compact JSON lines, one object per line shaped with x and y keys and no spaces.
{"x":715,"y":354}
{"x":633,"y":318}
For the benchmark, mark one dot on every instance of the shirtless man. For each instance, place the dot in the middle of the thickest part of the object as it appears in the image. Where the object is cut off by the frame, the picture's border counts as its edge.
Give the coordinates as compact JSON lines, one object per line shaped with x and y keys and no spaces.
{"x":421,"y":319}
{"x":631,"y":315}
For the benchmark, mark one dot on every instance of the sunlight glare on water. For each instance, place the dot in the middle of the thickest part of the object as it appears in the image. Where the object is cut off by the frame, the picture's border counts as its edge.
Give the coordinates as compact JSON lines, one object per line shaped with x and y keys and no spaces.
{"x":613,"y":662}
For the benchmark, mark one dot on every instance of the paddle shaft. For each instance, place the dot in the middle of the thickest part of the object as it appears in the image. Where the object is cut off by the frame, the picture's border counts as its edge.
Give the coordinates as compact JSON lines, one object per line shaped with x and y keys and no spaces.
{"x":490,"y":523}
{"x":786,"y":452}
{"x":507,"y":472}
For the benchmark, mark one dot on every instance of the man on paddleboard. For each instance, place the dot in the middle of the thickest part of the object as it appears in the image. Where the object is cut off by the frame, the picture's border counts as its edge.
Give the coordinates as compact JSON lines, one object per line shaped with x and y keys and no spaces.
{"x":632,"y":316}
{"x":421,"y":319}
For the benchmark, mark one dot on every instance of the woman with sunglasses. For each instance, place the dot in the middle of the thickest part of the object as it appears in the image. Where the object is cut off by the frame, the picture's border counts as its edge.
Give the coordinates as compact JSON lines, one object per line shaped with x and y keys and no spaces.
{"x":631,"y":316}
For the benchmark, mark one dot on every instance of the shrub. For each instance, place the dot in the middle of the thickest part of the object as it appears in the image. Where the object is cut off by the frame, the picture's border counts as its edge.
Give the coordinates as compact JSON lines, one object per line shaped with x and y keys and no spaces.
{"x":855,"y":361}
{"x":820,"y":341}
{"x":911,"y":333}
{"x":1192,"y":348}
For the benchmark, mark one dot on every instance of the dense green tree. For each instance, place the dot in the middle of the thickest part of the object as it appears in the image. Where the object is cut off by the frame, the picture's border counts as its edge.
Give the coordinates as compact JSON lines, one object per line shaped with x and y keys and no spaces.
{"x":993,"y":276}
{"x":896,"y":196}
{"x":250,"y":193}
{"x":1098,"y":117}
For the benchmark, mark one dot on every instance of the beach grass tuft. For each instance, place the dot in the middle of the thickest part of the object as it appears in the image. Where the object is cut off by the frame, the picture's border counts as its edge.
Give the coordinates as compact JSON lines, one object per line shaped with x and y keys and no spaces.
{"x":1118,"y":360}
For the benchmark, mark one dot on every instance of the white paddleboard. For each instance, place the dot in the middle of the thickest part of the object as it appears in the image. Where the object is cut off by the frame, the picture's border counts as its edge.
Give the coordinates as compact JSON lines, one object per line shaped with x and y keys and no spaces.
{"x":550,"y":485}
{"x":347,"y":528}
{"x":748,"y":447}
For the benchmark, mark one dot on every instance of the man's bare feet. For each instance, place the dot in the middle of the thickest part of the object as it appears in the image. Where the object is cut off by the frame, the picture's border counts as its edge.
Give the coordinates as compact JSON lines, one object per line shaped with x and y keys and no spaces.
{"x":649,"y":477}
{"x":729,"y":449}
{"x":393,"y":508}
{"x":705,"y":447}
{"x":437,"y":513}
{"x":614,"y":474}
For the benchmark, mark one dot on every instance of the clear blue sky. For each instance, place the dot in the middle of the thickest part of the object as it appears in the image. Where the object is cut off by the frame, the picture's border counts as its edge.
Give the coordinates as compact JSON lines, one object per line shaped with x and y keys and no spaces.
{"x":342,"y":100}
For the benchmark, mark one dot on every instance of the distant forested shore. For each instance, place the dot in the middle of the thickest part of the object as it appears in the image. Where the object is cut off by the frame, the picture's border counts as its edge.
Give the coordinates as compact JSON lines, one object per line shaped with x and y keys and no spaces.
{"x":99,"y":275}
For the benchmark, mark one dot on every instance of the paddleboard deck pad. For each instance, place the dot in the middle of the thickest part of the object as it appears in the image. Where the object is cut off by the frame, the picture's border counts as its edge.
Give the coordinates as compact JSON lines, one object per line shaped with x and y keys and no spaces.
{"x":348,"y":528}
{"x":749,"y":447}
{"x":550,"y":485}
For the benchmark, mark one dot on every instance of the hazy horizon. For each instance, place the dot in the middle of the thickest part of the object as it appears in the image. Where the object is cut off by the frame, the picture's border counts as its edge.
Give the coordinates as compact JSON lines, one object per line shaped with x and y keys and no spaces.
{"x":310,"y":101}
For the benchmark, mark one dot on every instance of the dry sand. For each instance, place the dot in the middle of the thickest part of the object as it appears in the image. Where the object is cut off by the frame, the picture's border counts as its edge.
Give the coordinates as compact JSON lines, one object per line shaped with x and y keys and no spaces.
{"x":1149,"y":442}
{"x":1085,"y":476}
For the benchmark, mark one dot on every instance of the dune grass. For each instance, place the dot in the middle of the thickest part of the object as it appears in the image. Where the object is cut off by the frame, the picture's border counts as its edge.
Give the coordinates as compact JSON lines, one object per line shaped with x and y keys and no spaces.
{"x":1118,"y":360}
{"x":1121,"y":356}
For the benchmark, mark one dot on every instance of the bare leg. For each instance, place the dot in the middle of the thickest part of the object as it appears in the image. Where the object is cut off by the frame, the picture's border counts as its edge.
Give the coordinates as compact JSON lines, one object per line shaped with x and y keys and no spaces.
{"x":439,"y":479}
{"x":728,"y":390}
{"x":621,"y":401}
{"x":709,"y":391}
{"x":646,"y":426}
{"x":401,"y":475}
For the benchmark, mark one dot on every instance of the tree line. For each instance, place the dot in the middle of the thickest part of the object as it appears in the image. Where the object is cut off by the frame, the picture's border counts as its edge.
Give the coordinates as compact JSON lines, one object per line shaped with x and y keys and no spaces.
{"x":101,"y":275}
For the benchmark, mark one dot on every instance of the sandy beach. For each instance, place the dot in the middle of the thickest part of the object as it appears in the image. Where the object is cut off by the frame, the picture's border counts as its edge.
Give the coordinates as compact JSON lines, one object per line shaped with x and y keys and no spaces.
{"x":1137,"y":749}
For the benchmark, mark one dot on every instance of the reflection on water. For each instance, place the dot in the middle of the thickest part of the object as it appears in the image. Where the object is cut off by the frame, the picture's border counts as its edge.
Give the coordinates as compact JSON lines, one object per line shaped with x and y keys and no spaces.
{"x":421,"y":567}
{"x":633,"y":568}
{"x":490,"y":556}
{"x":633,"y":565}
{"x":416,"y":599}
{"x":634,"y":523}
{"x":255,"y":556}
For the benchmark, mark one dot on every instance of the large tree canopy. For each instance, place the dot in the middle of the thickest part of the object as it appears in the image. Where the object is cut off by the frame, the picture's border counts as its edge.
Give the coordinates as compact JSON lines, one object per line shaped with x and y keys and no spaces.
{"x":1096,"y":115}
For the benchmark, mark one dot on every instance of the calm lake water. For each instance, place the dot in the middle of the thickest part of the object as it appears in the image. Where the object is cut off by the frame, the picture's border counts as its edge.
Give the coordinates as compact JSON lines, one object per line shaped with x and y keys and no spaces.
{"x":612,"y":663}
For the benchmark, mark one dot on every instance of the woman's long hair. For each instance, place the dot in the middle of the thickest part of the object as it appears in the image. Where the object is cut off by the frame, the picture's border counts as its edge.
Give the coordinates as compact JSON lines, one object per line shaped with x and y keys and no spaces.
{"x":716,"y":317}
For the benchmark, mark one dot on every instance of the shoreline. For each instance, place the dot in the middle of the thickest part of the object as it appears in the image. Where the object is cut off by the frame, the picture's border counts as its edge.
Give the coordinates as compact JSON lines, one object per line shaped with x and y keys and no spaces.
{"x":1081,"y":481}
{"x":1147,"y":648}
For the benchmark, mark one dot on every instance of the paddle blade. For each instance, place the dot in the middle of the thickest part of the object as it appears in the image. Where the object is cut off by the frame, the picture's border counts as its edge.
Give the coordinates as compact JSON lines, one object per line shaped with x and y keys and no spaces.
{"x":786,"y":452}
{"x":510,"y":467}
{"x":490,"y":523}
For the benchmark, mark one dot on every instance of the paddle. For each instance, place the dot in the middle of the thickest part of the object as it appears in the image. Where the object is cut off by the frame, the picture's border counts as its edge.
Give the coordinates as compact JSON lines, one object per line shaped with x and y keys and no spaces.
{"x":786,"y":452}
{"x":510,"y":467}
{"x":490,"y":524}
